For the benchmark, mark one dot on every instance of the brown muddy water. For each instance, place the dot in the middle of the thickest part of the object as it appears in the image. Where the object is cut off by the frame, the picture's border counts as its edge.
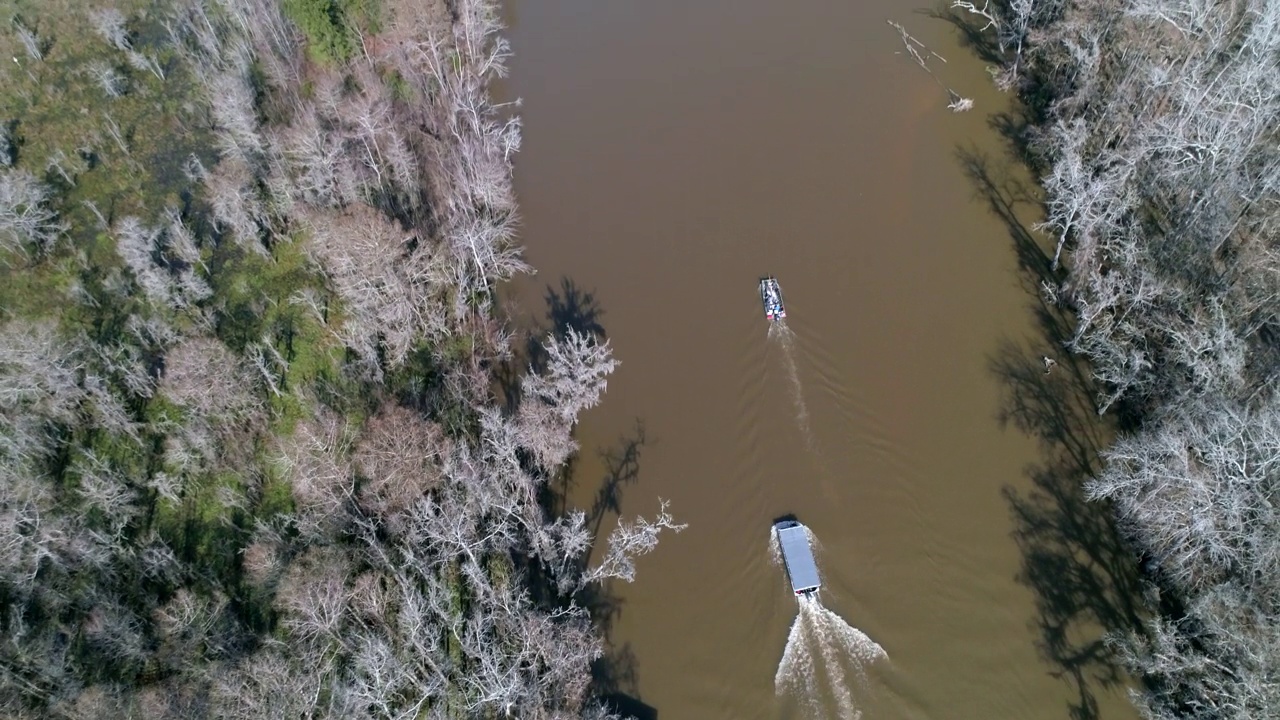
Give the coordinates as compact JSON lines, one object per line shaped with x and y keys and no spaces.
{"x":673,"y":153}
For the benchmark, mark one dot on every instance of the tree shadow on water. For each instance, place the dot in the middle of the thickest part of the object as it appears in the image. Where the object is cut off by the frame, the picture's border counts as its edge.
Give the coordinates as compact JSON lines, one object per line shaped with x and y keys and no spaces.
{"x":574,"y":309}
{"x":1084,"y":576}
{"x":568,"y":308}
{"x":977,"y":37}
{"x":614,"y":676}
{"x":981,"y":37}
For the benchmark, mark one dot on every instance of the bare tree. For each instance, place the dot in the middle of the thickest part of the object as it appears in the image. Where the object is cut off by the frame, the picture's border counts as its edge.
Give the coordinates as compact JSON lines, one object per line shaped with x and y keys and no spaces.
{"x":921,"y":54}
{"x":111,"y":81}
{"x":1197,"y":484}
{"x":106,"y":493}
{"x":188,"y":621}
{"x":396,"y":566}
{"x":106,"y":411}
{"x":110,"y":24}
{"x":137,"y":244}
{"x":117,"y":632}
{"x":39,"y":390}
{"x":6,"y":148}
{"x":158,"y":560}
{"x":232,"y":100}
{"x":576,"y":375}
{"x":629,"y":541}
{"x":314,"y":596}
{"x":146,"y":63}
{"x":389,"y":281}
{"x":400,"y":455}
{"x":316,"y":160}
{"x":236,"y":206}
{"x":113,"y":129}
{"x":316,"y":463}
{"x":69,"y":168}
{"x":181,"y":253}
{"x":267,"y":684}
{"x":1162,"y":174}
{"x":201,"y":374}
{"x":30,"y":530}
{"x":262,"y":557}
{"x":30,"y":42}
{"x":561,"y":545}
{"x":25,"y":216}
{"x":1084,"y":202}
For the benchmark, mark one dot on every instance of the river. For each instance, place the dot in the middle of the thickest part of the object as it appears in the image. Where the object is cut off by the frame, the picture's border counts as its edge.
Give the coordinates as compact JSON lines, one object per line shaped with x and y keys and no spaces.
{"x":673,"y":153}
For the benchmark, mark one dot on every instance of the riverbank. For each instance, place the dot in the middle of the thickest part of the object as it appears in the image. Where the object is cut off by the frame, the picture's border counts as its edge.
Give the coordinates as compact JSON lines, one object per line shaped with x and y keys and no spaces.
{"x":254,"y":465}
{"x":1153,"y":129}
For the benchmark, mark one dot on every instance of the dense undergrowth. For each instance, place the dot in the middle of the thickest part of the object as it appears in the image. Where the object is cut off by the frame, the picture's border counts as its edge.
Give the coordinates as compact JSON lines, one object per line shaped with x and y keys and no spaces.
{"x":251,"y":464}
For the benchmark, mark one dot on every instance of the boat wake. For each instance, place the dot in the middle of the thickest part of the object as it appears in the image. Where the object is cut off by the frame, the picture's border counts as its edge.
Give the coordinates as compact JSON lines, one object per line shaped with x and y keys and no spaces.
{"x":780,"y":334}
{"x":825,"y":659}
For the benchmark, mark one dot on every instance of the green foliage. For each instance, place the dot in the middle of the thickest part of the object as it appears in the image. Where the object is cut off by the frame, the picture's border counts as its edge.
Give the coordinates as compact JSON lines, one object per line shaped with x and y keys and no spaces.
{"x":100,"y":273}
{"x":332,"y":27}
{"x":93,"y":148}
{"x":103,"y":157}
{"x":202,"y":529}
{"x":159,"y":411}
{"x":181,"y":498}
{"x":260,"y":300}
{"x":400,"y":89}
{"x":322,"y":21}
{"x":421,"y":382}
{"x":30,"y":289}
{"x":276,"y":497}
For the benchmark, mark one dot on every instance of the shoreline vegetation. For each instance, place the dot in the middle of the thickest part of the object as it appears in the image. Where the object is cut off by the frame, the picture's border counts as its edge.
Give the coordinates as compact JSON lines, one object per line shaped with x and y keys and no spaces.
{"x":1152,"y":125}
{"x":253,"y":460}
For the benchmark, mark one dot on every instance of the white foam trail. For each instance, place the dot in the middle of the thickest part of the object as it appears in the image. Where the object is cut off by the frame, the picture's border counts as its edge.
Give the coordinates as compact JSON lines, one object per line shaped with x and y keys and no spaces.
{"x":814,"y":545}
{"x":822,"y":649}
{"x":779,"y":331}
{"x":796,"y":673}
{"x":782,"y":334}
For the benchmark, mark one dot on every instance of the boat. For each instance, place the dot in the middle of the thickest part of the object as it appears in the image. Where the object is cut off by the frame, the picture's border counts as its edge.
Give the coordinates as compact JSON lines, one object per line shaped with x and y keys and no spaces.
{"x":797,"y":556}
{"x":771,"y":296}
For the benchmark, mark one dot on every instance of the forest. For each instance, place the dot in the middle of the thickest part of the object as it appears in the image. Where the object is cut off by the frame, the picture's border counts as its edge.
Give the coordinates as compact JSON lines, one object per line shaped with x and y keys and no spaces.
{"x":255,"y":457}
{"x":1153,"y":126}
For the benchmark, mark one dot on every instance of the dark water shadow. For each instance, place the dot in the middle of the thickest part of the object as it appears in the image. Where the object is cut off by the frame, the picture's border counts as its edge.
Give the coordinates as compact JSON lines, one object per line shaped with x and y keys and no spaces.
{"x":630,"y":707}
{"x":976,"y":34}
{"x":614,"y":676}
{"x":568,"y":307}
{"x":1085,"y":577}
{"x":979,"y":36}
{"x":572,"y":308}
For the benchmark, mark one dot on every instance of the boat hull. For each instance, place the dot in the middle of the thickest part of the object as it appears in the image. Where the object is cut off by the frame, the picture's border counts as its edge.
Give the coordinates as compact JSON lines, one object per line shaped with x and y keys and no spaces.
{"x":771,"y":298}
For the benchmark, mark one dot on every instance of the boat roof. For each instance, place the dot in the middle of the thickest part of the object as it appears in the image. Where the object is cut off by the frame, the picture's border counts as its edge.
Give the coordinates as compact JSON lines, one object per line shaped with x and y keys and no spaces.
{"x":798,"y":556}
